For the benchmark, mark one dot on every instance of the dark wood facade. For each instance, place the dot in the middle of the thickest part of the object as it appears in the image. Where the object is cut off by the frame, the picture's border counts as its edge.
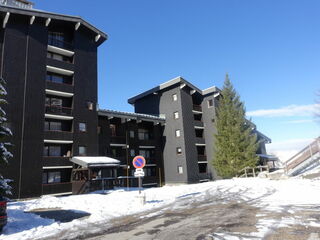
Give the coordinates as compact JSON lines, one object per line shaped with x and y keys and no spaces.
{"x":51,"y":72}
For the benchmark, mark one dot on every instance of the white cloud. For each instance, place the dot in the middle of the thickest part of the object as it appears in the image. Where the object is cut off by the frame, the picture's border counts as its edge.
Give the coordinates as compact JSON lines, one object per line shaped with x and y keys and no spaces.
{"x":299,"y":121}
{"x":287,"y":111}
{"x":284,"y":150}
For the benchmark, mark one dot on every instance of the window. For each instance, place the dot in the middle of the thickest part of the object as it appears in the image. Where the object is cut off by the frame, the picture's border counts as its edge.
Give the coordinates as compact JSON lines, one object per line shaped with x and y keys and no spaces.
{"x":179,"y":150}
{"x":54,"y":177}
{"x":99,"y":129}
{"x":202,"y":168}
{"x":178,"y":133}
{"x":82,"y":151}
{"x":132,"y":153}
{"x":52,"y":151}
{"x":176,"y":115}
{"x":210,"y":103}
{"x":143,"y":134}
{"x":180,"y":169}
{"x":174,"y":97}
{"x":59,"y":57}
{"x":82,"y":127}
{"x":59,"y":39}
{"x":113,"y":130}
{"x":150,"y":171}
{"x":53,"y":77}
{"x":44,"y":178}
{"x":131,"y":134}
{"x":90,"y":105}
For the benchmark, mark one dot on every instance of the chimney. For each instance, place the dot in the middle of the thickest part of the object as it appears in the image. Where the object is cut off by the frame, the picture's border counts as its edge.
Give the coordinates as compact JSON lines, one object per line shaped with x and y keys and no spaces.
{"x":17,"y":3}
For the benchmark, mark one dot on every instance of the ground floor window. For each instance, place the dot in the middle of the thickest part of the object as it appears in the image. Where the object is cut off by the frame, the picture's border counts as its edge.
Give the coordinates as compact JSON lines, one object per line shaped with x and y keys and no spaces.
{"x":51,"y":177}
{"x":150,"y":171}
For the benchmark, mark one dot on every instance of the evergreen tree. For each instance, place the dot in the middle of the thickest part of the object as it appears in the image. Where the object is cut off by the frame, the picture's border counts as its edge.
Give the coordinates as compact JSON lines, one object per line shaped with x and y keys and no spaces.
{"x":4,"y":133}
{"x":235,"y":144}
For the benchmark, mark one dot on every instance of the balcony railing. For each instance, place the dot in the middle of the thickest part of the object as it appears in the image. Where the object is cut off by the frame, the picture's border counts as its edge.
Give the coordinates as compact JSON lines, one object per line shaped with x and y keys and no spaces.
{"x":60,"y":43}
{"x":58,"y":110}
{"x":57,"y":135}
{"x":56,"y":161}
{"x":202,"y":158}
{"x":118,"y":139}
{"x":53,"y":188}
{"x":198,"y":123}
{"x":197,"y":108}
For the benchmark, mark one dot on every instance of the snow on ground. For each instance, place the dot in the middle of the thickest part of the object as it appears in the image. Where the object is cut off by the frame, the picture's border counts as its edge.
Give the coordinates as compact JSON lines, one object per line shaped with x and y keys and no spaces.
{"x":272,"y":195}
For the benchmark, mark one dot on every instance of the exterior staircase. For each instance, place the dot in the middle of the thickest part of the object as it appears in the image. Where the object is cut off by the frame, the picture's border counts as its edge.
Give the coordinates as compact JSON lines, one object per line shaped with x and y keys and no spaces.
{"x":305,"y":160}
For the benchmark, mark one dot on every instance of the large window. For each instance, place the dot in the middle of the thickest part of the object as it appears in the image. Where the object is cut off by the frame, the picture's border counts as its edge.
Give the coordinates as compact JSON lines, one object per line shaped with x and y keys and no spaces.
{"x":59,"y":57}
{"x":59,"y":39}
{"x":150,"y":171}
{"x":144,"y":134}
{"x":51,"y":177}
{"x":57,"y":78}
{"x":52,"y":151}
{"x":52,"y":126}
{"x":147,"y":153}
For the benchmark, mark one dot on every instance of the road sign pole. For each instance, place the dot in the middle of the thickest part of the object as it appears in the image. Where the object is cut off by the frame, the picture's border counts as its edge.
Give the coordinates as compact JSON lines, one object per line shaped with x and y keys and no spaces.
{"x":139,"y":185}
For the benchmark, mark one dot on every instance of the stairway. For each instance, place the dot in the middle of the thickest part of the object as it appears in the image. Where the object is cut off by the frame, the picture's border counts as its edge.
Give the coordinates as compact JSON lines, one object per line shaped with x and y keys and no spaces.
{"x":305,"y":160}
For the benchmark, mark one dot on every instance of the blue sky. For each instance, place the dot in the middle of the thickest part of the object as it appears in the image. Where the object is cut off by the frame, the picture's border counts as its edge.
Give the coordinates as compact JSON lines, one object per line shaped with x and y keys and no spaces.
{"x":269,"y":48}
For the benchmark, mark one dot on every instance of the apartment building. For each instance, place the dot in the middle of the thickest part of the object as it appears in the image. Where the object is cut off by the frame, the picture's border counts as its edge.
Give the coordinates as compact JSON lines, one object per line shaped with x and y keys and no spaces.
{"x":123,"y":136}
{"x":190,"y":115}
{"x":49,"y":61}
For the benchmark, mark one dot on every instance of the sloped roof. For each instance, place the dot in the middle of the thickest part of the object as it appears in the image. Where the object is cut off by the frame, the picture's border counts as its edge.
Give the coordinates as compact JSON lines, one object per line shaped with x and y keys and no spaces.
{"x":137,"y":116}
{"x":44,"y":14}
{"x":170,"y":83}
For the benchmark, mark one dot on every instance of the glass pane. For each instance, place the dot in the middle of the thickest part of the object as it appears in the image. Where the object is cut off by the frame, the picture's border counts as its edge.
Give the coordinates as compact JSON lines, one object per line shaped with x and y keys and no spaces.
{"x":82,"y":150}
{"x":44,"y":178}
{"x":55,"y":126}
{"x":54,"y":151}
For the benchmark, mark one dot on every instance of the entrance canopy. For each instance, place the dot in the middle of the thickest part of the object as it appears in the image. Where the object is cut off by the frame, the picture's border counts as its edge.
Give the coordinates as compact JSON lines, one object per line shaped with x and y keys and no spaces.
{"x":89,"y":162}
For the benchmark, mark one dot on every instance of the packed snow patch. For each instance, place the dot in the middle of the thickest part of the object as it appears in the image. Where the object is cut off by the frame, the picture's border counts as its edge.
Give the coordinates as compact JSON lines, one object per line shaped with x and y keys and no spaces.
{"x":272,"y":196}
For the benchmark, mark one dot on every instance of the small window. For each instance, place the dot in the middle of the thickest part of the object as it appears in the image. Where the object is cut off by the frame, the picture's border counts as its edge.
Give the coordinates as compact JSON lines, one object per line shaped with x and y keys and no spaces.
{"x":176,"y":115}
{"x":82,"y":151}
{"x":178,"y":133}
{"x":82,"y":127}
{"x":179,"y":150}
{"x":210,"y":103}
{"x":180,"y":169}
{"x":132,"y":153}
{"x":44,"y":178}
{"x":90,"y":105}
{"x":174,"y":97}
{"x":99,"y":129}
{"x":113,"y":130}
{"x":131,"y":134}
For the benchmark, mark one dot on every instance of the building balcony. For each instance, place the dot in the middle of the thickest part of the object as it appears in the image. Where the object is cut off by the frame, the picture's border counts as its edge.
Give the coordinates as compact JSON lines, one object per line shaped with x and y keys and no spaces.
{"x":149,"y":142}
{"x":61,"y":87}
{"x":56,"y":161}
{"x":198,"y":124}
{"x":200,"y":140}
{"x":118,"y":139}
{"x":197,"y":108}
{"x":58,"y":110}
{"x":56,"y":188}
{"x":58,"y":135}
{"x":202,"y":158}
{"x":60,"y":43}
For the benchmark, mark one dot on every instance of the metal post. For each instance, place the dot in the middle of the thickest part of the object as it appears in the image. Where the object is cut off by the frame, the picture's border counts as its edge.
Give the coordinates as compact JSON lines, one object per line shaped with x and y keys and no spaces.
{"x":139,"y":185}
{"x":245,"y":172}
{"x":254,"y":172}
